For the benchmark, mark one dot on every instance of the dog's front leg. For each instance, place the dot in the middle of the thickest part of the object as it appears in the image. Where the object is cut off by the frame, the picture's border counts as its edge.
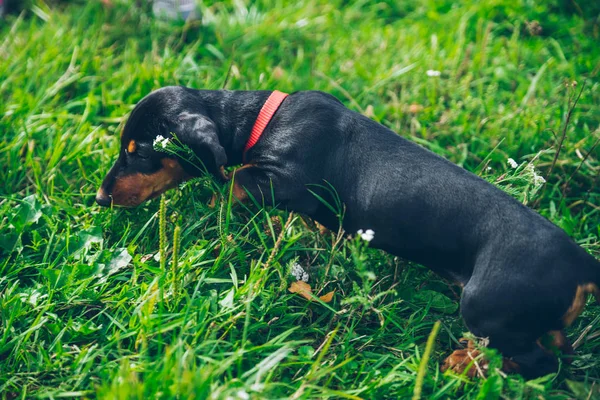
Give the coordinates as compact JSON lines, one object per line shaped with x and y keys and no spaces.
{"x":246,"y":183}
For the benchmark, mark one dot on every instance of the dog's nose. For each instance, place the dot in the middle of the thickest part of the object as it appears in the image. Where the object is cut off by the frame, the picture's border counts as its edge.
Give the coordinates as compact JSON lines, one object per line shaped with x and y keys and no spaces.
{"x":102,"y":198}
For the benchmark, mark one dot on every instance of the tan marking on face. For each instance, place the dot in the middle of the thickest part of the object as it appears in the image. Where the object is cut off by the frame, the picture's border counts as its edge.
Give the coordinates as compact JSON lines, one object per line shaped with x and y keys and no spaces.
{"x":132,"y":190}
{"x":131,"y":146}
{"x":579,"y":302}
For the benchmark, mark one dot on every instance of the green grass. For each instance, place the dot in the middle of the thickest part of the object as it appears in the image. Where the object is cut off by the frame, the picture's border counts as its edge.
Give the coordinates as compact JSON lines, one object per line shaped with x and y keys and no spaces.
{"x":85,"y":310}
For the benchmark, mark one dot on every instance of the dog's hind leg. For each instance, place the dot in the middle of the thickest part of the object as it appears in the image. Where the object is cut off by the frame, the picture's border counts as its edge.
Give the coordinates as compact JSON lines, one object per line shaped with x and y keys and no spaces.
{"x":514,"y":325}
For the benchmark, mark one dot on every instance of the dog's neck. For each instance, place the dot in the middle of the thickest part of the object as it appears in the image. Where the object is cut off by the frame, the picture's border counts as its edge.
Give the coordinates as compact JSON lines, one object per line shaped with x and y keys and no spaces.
{"x":234,"y":113}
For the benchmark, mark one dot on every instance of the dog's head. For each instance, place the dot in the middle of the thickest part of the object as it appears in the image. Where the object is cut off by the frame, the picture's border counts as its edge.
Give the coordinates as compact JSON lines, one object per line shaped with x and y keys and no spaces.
{"x":141,"y":172}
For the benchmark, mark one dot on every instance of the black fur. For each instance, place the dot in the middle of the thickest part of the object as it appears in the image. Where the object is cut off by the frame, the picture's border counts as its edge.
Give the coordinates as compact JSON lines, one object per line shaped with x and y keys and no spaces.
{"x":519,"y":271}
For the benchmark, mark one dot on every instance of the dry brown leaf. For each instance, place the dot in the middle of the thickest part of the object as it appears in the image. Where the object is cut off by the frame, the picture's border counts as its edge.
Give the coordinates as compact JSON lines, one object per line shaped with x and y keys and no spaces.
{"x":327,"y":297}
{"x":304,"y":290}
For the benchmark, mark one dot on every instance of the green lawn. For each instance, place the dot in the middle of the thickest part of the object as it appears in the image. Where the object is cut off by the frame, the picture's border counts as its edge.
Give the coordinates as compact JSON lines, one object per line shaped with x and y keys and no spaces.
{"x":87,"y":311}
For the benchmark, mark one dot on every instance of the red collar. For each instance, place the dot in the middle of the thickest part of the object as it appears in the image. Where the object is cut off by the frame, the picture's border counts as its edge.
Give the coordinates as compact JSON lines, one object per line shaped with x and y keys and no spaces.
{"x":264,"y":117}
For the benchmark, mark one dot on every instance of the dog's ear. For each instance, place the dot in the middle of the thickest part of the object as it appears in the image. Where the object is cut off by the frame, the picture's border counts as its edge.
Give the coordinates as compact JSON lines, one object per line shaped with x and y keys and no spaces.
{"x":200,"y":134}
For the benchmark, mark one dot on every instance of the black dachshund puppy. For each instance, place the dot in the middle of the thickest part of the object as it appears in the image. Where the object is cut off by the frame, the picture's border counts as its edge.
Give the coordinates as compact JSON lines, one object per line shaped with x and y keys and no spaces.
{"x":523,"y":277}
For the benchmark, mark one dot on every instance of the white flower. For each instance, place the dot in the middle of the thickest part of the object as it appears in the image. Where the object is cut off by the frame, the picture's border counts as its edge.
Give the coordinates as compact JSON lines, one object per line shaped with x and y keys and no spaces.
{"x":512,"y":163}
{"x":160,"y":141}
{"x":299,"y":273}
{"x":538,"y":180}
{"x":433,"y":72}
{"x":367,"y":235}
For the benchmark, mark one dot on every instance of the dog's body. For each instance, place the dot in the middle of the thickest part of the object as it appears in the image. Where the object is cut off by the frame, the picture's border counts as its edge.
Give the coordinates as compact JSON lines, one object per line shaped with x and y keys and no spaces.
{"x":522,"y":276}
